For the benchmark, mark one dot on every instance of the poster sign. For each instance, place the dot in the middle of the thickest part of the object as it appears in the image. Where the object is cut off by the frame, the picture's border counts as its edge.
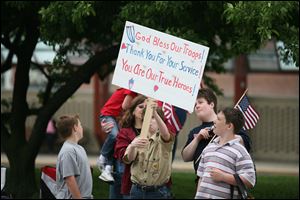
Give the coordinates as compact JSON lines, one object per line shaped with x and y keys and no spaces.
{"x":159,"y":65}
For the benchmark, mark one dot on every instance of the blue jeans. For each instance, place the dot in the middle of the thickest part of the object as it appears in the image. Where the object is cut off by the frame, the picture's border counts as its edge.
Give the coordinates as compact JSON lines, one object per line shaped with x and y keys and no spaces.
{"x":115,"y":188}
{"x":108,"y":147}
{"x":162,"y":192}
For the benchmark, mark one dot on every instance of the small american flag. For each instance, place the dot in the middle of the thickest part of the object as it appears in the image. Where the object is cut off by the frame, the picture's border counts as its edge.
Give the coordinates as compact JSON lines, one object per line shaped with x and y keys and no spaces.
{"x":250,"y":115}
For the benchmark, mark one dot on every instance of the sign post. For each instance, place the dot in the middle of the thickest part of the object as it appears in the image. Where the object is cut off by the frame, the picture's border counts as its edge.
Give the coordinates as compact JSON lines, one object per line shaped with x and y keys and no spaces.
{"x":147,"y":118}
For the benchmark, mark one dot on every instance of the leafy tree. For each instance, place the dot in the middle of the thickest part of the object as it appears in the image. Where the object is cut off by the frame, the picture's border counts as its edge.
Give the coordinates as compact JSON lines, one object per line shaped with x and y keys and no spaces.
{"x":256,"y":23}
{"x":95,"y":29}
{"x":22,"y":26}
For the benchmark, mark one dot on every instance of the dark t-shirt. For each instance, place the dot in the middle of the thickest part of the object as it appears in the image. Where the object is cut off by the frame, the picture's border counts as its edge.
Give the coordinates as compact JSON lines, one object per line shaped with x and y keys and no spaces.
{"x":204,"y":142}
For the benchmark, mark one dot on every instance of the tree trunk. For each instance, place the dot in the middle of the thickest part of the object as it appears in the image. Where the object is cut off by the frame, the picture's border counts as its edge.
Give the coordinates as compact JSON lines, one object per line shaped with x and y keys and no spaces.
{"x":21,"y":179}
{"x":21,"y":174}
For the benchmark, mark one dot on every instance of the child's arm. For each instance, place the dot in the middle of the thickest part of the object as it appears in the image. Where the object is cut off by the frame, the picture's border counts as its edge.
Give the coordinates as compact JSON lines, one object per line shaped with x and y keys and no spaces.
{"x":218,"y":175}
{"x":131,"y":150}
{"x":198,"y":185}
{"x":127,"y":102}
{"x":198,"y":188}
{"x":164,"y":132}
{"x":73,"y":187}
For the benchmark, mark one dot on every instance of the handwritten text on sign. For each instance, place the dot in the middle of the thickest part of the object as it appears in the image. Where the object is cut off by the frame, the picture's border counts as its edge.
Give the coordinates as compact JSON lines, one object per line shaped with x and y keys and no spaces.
{"x":160,"y":66}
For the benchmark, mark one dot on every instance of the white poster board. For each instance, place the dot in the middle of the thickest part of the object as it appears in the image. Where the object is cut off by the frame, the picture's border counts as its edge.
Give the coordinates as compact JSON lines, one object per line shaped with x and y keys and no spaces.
{"x":159,"y":65}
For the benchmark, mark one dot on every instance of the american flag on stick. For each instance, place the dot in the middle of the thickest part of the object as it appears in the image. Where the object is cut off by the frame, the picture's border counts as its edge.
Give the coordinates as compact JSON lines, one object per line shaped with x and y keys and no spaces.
{"x":250,"y":115}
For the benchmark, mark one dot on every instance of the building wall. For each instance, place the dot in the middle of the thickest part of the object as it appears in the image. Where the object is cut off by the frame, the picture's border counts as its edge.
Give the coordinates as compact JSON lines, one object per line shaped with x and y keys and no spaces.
{"x":272,"y":85}
{"x":275,"y":97}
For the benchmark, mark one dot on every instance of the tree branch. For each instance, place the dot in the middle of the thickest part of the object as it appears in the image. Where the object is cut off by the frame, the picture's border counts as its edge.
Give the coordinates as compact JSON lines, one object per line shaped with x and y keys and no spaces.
{"x":12,"y":46}
{"x":4,"y":135}
{"x":49,"y":84}
{"x":41,"y":68}
{"x":5,"y":41}
{"x":33,"y":111}
{"x":47,"y":92}
{"x":85,"y":72}
{"x":8,"y":62}
{"x":12,"y":51}
{"x":5,"y":116}
{"x":105,"y":71}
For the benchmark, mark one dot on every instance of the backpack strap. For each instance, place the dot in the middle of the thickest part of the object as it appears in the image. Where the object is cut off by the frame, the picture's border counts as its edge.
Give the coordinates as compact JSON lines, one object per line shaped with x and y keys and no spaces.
{"x":241,"y":186}
{"x":231,"y":191}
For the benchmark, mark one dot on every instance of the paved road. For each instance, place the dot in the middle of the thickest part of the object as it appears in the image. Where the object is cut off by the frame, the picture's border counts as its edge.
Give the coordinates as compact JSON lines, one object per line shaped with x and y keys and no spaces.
{"x":179,"y":165}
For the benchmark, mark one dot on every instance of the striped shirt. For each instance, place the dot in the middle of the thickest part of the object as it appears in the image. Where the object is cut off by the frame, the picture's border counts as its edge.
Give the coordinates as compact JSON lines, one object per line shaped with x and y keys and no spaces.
{"x":231,"y":157}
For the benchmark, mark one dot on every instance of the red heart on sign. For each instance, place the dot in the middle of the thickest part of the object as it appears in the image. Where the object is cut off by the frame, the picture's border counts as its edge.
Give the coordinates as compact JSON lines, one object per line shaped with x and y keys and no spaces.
{"x":123,"y":46}
{"x":155,"y":88}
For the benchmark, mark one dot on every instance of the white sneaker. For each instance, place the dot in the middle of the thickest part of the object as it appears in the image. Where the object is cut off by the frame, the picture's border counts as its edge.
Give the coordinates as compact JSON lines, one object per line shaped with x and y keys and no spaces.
{"x":101,"y":164}
{"x":106,"y":176}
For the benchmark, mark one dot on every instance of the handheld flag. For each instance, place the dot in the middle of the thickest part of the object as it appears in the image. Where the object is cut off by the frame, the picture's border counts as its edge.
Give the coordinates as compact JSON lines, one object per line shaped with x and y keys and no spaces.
{"x":175,"y":116}
{"x":250,"y":115}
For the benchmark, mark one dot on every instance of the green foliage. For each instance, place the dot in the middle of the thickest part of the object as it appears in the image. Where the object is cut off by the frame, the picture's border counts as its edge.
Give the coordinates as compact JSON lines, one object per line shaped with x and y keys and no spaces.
{"x":14,"y":15}
{"x":78,"y":23}
{"x":227,"y":28}
{"x":68,"y":17}
{"x":76,"y":27}
{"x":256,"y":23}
{"x":242,"y":27}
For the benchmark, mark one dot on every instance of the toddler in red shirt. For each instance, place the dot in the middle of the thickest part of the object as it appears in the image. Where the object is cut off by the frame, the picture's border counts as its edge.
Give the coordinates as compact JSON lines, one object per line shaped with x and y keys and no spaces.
{"x":119,"y":100}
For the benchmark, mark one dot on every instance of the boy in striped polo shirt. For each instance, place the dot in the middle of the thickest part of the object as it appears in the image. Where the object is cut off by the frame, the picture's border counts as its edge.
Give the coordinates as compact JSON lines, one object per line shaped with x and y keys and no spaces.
{"x":224,"y":157}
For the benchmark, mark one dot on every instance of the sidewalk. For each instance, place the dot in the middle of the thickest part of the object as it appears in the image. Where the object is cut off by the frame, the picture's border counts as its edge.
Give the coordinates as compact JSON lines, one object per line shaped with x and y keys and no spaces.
{"x":179,"y":165}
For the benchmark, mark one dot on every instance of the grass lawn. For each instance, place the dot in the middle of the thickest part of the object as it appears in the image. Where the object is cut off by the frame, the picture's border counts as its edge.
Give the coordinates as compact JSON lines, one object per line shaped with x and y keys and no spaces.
{"x":267,"y":187}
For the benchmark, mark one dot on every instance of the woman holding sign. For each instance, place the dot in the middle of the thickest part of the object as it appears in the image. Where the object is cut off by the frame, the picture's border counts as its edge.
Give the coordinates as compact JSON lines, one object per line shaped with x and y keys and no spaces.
{"x":131,"y":125}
